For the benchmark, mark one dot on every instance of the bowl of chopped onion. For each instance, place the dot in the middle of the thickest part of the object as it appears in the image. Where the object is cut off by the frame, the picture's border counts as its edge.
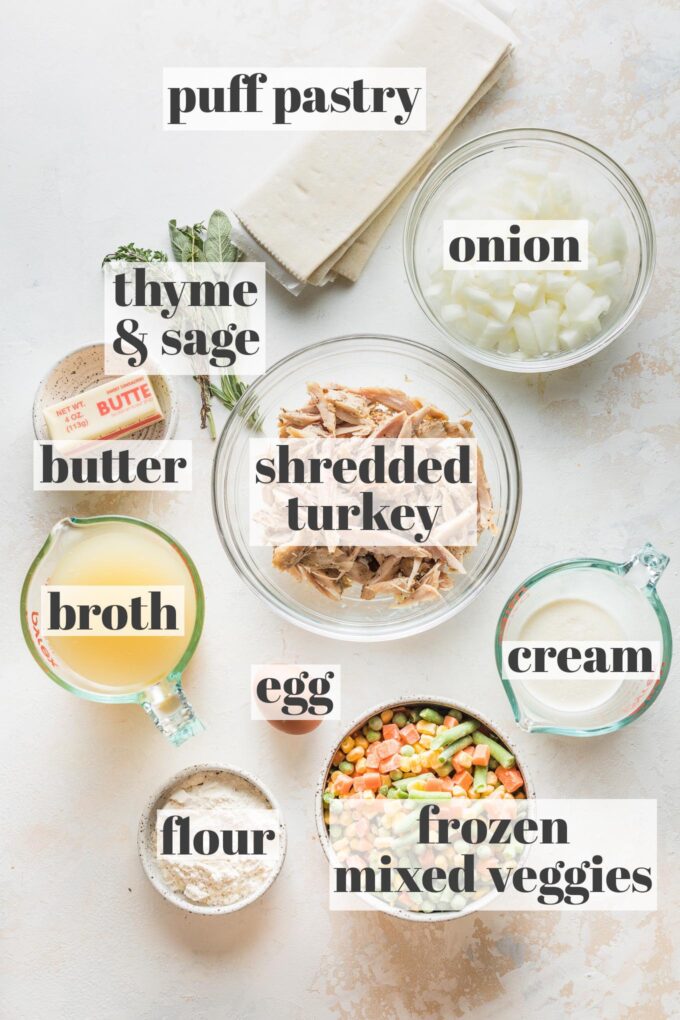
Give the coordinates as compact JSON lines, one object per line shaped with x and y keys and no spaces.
{"x":483,"y":264}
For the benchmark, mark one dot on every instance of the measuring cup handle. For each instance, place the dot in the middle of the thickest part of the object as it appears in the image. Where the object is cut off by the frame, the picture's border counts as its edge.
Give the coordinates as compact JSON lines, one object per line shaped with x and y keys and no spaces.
{"x":646,"y":566}
{"x":167,"y":705}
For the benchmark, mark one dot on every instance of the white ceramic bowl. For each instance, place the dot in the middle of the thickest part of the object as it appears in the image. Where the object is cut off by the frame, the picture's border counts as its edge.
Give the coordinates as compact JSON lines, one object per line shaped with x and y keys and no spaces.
{"x":394,"y":703}
{"x":146,"y":838}
{"x":83,"y":369}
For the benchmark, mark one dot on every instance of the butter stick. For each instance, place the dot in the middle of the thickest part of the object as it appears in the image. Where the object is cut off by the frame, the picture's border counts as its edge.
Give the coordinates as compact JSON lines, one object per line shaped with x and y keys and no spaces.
{"x":109,"y":411}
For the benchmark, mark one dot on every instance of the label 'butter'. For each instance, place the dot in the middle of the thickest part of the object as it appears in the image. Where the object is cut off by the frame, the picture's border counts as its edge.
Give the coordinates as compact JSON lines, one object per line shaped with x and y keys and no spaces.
{"x":109,"y":411}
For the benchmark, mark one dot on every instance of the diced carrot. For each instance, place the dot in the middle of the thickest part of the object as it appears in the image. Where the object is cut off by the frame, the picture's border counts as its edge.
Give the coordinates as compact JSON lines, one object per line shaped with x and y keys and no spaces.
{"x":510,"y":778}
{"x":387,"y":748}
{"x":390,"y":764}
{"x":481,"y":754}
{"x":450,"y":721}
{"x":372,"y":758}
{"x":342,"y":785}
{"x":369,"y":781}
{"x":462,"y":760}
{"x":390,"y":731}
{"x":435,"y":784}
{"x":463,"y":779}
{"x":410,"y":734}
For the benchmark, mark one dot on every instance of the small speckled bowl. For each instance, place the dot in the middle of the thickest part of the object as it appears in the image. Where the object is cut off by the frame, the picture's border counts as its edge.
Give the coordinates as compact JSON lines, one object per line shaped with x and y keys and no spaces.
{"x":146,"y":838}
{"x":82,"y":370}
{"x":393,"y":703}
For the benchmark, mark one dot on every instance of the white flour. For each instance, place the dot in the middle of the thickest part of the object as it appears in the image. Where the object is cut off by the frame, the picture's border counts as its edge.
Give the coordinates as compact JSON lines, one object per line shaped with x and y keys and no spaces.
{"x":217,"y":881}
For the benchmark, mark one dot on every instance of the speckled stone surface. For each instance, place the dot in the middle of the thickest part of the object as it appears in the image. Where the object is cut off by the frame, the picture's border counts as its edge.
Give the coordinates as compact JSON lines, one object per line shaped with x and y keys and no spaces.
{"x":86,"y":167}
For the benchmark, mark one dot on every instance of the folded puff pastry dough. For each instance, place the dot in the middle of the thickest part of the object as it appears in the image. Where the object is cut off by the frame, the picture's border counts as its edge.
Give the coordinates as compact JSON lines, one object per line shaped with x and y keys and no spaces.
{"x":321,"y":212}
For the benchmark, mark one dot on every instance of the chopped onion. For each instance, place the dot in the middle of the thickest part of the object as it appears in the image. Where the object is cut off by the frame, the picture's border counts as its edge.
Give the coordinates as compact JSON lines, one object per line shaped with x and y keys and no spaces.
{"x":527,"y":313}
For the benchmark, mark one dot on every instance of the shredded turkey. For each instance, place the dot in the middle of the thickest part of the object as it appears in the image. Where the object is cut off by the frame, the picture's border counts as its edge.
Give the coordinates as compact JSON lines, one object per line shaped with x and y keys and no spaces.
{"x":408,"y":574}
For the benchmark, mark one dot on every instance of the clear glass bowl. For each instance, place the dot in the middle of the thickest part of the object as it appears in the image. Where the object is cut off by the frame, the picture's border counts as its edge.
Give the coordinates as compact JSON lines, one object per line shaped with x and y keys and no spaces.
{"x":362,"y":361}
{"x":609,"y":188}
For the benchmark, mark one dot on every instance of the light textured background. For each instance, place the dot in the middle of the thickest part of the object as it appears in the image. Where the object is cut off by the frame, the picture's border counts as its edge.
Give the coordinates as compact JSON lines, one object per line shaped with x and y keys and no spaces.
{"x":86,"y":167}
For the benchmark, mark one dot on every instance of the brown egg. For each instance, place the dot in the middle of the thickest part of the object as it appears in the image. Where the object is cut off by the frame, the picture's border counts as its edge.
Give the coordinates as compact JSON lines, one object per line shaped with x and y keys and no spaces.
{"x":294,"y":726}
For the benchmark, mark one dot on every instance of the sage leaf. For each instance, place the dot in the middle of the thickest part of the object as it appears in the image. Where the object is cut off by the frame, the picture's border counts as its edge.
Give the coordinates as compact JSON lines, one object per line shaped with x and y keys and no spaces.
{"x":218,"y":246}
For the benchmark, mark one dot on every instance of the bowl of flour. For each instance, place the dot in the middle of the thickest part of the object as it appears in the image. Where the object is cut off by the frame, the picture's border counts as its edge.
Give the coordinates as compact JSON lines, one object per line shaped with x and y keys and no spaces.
{"x":229,"y":802}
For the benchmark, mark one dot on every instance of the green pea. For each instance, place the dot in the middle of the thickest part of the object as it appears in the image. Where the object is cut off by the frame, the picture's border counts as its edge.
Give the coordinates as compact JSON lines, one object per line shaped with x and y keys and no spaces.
{"x":346,"y":767}
{"x":396,"y":775}
{"x":458,"y":902}
{"x":399,"y":719}
{"x":371,"y":736}
{"x":375,"y":723}
{"x":384,"y":790}
{"x":328,"y":796}
{"x":407,"y":751}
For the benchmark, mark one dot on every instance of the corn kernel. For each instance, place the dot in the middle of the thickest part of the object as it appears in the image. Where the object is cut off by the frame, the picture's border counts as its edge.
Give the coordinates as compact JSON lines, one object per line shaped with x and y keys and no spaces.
{"x":387,"y":715}
{"x":356,"y":754}
{"x":360,"y":767}
{"x":405,"y":763}
{"x":418,"y":748}
{"x":361,"y":741}
{"x":347,"y":744}
{"x":492,"y":778}
{"x":458,"y":791}
{"x":368,"y":795}
{"x":426,"y":727}
{"x":426,"y":741}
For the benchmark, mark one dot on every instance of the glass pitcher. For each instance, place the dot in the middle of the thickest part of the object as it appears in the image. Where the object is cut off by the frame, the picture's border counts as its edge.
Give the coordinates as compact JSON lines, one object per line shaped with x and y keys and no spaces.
{"x":631,"y":586}
{"x":159,"y":693}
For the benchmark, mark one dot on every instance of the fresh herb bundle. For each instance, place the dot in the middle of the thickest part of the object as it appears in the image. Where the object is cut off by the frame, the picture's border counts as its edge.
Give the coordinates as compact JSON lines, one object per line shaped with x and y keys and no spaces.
{"x":197,"y":243}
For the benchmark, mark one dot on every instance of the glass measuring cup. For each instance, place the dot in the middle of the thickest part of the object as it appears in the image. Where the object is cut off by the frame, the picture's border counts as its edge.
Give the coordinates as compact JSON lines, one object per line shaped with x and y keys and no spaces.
{"x":631,"y":586}
{"x":162,"y":699}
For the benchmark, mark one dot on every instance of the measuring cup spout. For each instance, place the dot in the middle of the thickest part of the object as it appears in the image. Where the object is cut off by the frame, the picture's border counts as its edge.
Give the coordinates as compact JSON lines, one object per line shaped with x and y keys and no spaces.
{"x":167,"y":705}
{"x":646,"y":566}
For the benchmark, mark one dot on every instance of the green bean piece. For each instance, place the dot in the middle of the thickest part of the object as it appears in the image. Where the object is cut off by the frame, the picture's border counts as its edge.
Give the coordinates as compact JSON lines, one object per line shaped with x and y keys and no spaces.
{"x":384,"y":790}
{"x":479,"y":781}
{"x":500,"y":753}
{"x":400,"y":719}
{"x":392,"y":793}
{"x":346,"y":767}
{"x":429,"y":715}
{"x":455,"y":713}
{"x":461,"y":730}
{"x":406,"y":782}
{"x":402,"y":794}
{"x":452,"y":749}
